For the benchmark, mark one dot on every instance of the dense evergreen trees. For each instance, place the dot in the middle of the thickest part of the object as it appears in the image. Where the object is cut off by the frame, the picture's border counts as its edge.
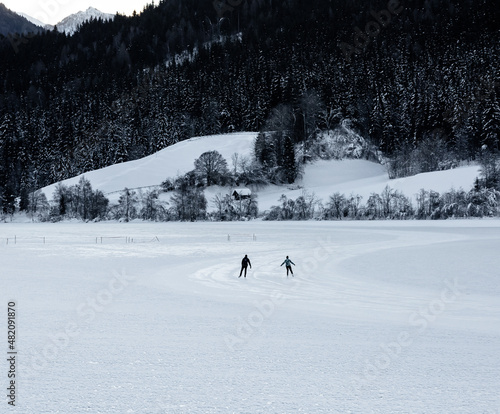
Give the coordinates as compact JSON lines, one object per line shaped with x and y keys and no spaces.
{"x":121,"y":90}
{"x":12,"y":24}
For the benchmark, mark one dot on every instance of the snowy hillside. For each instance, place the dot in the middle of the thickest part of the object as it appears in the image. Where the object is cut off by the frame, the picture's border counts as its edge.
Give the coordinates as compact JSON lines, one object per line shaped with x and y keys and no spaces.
{"x":70,"y":24}
{"x":322,"y":177}
{"x":36,"y":22}
{"x":170,"y":162}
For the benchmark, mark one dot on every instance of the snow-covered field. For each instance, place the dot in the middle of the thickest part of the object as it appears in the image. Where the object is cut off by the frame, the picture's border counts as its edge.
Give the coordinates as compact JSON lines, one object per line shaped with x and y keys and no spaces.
{"x":381,"y":317}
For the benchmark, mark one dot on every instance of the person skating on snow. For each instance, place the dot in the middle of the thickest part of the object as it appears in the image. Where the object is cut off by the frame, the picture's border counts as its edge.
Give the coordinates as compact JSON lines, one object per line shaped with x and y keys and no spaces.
{"x":244,"y":264}
{"x":288,"y":264}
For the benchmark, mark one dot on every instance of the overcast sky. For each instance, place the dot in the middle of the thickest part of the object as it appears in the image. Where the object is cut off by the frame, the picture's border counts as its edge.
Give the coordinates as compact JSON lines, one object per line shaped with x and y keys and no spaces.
{"x":53,"y":11}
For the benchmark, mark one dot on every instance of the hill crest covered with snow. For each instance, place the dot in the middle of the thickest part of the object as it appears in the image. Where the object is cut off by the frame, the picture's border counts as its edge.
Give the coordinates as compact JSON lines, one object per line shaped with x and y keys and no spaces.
{"x":322,"y":177}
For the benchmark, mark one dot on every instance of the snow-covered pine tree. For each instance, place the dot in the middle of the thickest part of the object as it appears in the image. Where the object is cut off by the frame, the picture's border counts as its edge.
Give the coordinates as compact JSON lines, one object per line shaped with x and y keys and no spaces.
{"x":127,"y":209}
{"x":491,"y":124}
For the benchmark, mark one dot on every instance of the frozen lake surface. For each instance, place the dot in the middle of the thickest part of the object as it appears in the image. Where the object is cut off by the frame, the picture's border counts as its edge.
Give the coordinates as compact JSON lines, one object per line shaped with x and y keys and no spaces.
{"x":381,"y":317}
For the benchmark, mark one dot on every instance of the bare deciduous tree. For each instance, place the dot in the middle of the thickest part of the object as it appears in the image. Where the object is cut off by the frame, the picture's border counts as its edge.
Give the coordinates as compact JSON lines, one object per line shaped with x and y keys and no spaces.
{"x":211,"y":167}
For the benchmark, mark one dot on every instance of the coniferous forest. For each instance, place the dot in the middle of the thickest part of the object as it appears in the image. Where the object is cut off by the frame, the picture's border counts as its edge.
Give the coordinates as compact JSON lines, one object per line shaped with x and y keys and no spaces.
{"x":406,"y":74}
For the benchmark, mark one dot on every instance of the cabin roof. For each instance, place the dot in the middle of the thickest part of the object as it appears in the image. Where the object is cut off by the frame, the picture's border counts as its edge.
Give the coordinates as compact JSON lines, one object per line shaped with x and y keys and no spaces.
{"x":242,"y":191}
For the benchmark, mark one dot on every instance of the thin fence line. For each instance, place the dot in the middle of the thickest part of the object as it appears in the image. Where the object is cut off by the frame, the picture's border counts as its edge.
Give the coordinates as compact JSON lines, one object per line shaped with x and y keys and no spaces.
{"x":88,"y":239}
{"x":241,"y":236}
{"x":157,"y":186}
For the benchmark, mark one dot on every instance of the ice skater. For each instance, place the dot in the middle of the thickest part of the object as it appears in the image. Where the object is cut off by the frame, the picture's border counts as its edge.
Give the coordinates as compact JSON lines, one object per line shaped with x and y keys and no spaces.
{"x":244,"y":264}
{"x":288,"y":264}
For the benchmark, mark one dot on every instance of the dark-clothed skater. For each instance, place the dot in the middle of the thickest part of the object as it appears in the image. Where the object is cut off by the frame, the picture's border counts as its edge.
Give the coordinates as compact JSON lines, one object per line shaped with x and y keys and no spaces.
{"x":244,"y":264}
{"x":288,"y":264}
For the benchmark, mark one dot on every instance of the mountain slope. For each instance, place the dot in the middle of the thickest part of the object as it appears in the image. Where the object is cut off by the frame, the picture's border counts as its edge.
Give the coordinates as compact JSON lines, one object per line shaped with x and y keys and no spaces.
{"x":36,"y":22}
{"x":113,"y":99}
{"x":11,"y":22}
{"x":70,"y":24}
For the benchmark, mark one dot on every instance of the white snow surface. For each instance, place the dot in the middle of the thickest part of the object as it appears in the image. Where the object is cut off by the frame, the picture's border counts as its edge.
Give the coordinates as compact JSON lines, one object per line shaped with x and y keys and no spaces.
{"x":323,"y":178}
{"x":71,"y":24}
{"x":36,"y":22}
{"x":380,"y":317}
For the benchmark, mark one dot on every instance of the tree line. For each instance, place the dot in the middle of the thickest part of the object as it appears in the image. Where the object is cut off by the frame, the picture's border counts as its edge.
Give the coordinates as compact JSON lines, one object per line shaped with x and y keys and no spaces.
{"x":186,"y":200}
{"x":390,"y":204}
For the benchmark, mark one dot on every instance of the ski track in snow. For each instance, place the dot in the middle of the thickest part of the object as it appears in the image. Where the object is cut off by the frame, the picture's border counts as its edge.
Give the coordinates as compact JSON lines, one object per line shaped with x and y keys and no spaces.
{"x":381,"y":317}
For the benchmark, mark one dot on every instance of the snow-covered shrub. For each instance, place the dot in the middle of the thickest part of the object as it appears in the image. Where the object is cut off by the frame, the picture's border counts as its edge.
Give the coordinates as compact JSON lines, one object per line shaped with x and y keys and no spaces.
{"x":303,"y":208}
{"x":490,"y":169}
{"x":342,"y":142}
{"x":38,"y":207}
{"x":153,"y":209}
{"x":78,"y":201}
{"x":168,"y":185}
{"x":336,"y":207}
{"x":229,"y":209}
{"x":250,"y":172}
{"x":189,"y":204}
{"x":484,"y":202}
{"x":274,"y":214}
{"x":126,"y":209}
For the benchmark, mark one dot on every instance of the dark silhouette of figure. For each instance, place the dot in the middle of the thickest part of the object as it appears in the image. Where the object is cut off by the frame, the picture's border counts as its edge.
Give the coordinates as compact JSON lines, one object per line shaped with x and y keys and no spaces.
{"x":288,"y":264}
{"x":244,"y":264}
